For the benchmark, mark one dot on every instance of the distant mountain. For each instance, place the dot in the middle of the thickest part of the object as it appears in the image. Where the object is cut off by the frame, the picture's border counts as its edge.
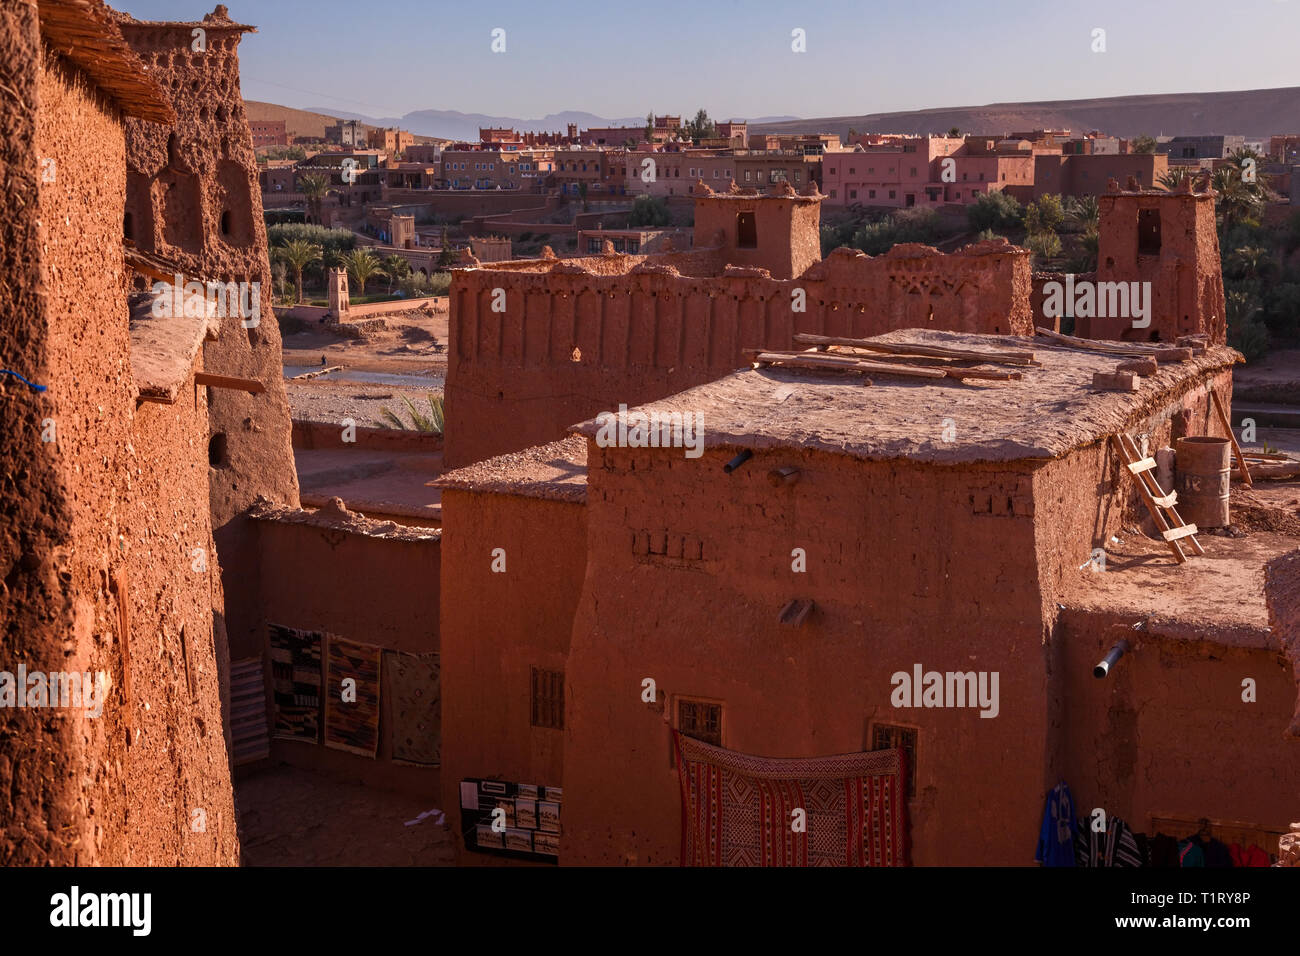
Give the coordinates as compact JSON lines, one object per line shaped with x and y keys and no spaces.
{"x":453,"y":124}
{"x":1255,"y":113}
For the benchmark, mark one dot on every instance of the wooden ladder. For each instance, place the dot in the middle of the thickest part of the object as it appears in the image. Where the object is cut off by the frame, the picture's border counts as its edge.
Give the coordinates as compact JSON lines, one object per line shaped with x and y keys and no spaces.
{"x":1161,"y":505}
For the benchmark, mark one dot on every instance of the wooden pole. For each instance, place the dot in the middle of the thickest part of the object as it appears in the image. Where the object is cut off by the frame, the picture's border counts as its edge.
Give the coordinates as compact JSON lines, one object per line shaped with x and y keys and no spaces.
{"x":1227,"y":424}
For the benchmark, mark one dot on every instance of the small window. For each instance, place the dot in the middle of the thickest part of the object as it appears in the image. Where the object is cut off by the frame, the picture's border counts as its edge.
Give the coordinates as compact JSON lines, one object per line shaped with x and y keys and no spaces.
{"x":746,"y":231}
{"x":894,"y":736}
{"x":700,"y":720}
{"x":871,"y":194}
{"x":893,"y":194}
{"x":1148,"y":232}
{"x":853,"y":194}
{"x":548,"y":699}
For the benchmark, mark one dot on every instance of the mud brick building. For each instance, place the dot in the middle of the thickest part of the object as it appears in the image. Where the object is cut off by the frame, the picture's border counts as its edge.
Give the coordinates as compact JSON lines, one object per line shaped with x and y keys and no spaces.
{"x":688,"y":570}
{"x":192,"y":197}
{"x":581,"y":335}
{"x":106,"y":553}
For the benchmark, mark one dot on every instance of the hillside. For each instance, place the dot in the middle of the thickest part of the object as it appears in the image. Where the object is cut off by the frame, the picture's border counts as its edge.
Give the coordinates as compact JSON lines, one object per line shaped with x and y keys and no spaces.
{"x":308,"y":123}
{"x":1255,"y":113}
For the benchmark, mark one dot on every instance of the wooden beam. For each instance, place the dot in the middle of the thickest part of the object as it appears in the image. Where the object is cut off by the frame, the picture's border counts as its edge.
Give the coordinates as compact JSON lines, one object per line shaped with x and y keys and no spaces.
{"x":931,"y":351}
{"x":227,"y":381}
{"x":1227,"y":424}
{"x":1159,"y":353}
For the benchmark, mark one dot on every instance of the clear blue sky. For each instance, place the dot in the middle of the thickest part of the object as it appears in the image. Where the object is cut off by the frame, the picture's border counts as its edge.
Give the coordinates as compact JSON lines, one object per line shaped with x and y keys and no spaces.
{"x":734,"y":58}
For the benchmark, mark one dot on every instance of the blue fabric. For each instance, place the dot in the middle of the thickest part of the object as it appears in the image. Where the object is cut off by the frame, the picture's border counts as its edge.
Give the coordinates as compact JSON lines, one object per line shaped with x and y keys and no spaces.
{"x":1056,"y":838}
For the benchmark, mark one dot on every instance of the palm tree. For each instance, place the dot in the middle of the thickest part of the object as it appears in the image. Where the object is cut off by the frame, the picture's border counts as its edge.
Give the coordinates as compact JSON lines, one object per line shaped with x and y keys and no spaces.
{"x":396,"y":268}
{"x":298,"y":255}
{"x":1237,"y":200}
{"x":361,"y":265}
{"x":1084,"y":213}
{"x":1172,"y":179}
{"x":314,"y":188}
{"x":1250,"y":262}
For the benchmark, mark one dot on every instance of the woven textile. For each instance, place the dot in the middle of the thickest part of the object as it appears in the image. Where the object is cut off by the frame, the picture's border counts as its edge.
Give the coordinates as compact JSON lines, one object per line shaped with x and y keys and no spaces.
{"x":295,"y":671}
{"x":352,"y":725}
{"x":411,"y":684}
{"x":738,"y":810}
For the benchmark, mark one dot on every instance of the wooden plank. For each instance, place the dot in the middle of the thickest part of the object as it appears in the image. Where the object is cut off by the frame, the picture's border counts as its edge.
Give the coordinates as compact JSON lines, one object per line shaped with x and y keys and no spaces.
{"x":811,"y":360}
{"x":883,"y":363}
{"x":229,"y":381}
{"x":1156,"y":514}
{"x":932,"y":351}
{"x":1168,"y":501}
{"x":1159,"y":353}
{"x":1186,"y":531}
{"x":1223,"y":420}
{"x":1145,"y":464}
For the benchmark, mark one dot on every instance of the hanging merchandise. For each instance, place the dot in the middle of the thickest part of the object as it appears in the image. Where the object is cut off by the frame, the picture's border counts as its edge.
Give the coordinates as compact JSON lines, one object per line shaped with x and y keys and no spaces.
{"x":1115,"y":847}
{"x":1056,"y":838}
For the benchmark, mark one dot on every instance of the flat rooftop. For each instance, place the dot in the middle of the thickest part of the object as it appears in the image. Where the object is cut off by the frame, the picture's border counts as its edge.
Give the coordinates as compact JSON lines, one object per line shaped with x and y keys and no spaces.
{"x":1051,"y":410}
{"x":556,"y":471}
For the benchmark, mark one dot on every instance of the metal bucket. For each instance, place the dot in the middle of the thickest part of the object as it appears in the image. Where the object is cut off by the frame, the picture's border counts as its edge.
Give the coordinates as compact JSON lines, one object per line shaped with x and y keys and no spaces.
{"x":1202,"y":470}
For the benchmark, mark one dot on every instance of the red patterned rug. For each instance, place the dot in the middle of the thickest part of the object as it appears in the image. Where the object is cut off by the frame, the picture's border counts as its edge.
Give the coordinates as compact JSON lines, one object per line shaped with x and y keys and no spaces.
{"x":738,"y":810}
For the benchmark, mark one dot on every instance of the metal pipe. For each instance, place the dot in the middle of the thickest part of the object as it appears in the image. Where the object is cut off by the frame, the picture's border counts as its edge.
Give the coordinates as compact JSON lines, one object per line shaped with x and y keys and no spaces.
{"x":739,"y":460}
{"x":1115,"y":653}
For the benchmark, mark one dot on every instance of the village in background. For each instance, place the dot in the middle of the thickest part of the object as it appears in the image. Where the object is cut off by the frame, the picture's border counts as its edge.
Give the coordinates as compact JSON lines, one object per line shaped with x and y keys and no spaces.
{"x":691,"y":492}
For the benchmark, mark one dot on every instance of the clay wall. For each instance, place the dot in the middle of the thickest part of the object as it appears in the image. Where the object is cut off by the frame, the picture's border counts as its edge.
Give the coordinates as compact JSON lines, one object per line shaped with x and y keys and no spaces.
{"x":1183,"y":267}
{"x":581,"y":336}
{"x":689,"y":569}
{"x":377,"y":586}
{"x":496,"y":628}
{"x":1166,"y":731}
{"x":192,"y":192}
{"x":96,"y":577}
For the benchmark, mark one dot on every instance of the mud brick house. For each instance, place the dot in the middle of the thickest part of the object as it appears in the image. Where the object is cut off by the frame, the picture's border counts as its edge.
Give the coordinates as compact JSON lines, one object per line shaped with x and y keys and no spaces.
{"x":955,"y":555}
{"x":106,"y":552}
{"x":540,"y":344}
{"x":192,"y":198}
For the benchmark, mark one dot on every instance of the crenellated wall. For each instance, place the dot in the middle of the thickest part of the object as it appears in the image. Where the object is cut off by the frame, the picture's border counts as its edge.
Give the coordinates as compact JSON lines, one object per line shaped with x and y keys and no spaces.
{"x":570,"y":338}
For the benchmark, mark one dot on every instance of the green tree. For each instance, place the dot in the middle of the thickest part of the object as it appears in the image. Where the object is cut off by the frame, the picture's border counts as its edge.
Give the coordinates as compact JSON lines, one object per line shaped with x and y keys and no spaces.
{"x":1143,"y":144}
{"x":954,"y":132}
{"x":396,"y":268}
{"x":361,"y":264}
{"x":649,"y":211}
{"x":1044,"y":245}
{"x":298,"y":255}
{"x":445,"y":256}
{"x":994,"y":210}
{"x":701,"y":127}
{"x":314,"y":188}
{"x":649,"y":126}
{"x":1173,"y":178}
{"x":1083,"y":213}
{"x":1044,"y":214}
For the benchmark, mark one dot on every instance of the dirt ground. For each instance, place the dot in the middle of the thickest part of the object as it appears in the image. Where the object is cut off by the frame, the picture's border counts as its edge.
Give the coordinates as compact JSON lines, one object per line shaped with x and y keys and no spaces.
{"x":1274,"y":378}
{"x":293,"y":817}
{"x":406,"y":347}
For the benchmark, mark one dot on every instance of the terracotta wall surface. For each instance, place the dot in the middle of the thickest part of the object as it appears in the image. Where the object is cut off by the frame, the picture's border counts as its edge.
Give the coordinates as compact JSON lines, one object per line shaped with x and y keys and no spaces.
{"x":581,"y":336}
{"x":908,"y":564}
{"x":92,"y":567}
{"x":1167,"y":732}
{"x":369,"y":582}
{"x":193,"y":195}
{"x":497,"y":627}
